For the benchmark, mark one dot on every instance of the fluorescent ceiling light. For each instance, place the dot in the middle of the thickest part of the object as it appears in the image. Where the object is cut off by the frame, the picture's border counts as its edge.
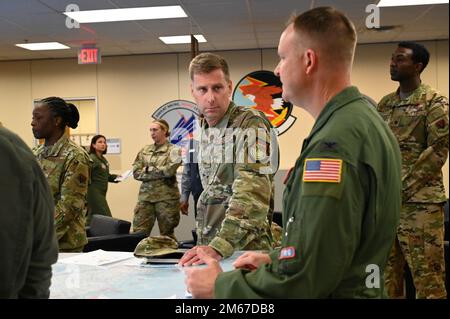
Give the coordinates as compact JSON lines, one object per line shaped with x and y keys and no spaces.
{"x":43,"y":46}
{"x":182,"y":39}
{"x":128,"y":14}
{"x":399,"y":3}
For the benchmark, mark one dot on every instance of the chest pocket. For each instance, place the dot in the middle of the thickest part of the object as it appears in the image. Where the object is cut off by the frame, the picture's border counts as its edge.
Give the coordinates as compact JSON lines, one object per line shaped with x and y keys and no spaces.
{"x":157,"y":159}
{"x":52,"y":172}
{"x":408,"y":123}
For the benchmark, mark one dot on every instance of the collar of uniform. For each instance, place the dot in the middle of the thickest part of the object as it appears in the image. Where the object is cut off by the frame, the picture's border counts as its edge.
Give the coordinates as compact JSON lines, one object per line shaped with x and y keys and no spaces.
{"x":160,"y":148}
{"x":414,"y":96}
{"x":95,"y":157}
{"x":224,"y":122}
{"x":344,"y":97}
{"x":56,"y":148}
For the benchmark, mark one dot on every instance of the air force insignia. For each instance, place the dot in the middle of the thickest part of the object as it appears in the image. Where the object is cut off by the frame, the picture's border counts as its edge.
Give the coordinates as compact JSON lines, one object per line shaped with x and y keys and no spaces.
{"x":261,"y":90}
{"x":287,"y":253}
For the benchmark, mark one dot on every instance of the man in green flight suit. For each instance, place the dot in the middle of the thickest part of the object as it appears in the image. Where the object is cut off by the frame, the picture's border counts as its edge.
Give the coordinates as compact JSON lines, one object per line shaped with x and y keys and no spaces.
{"x":28,"y":242}
{"x":418,"y":116}
{"x":342,"y":199}
{"x":236,"y":165}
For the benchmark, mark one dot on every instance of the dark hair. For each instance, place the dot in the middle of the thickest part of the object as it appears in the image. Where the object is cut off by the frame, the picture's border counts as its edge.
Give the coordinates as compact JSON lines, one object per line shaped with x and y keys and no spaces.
{"x":330,"y":29}
{"x":420,"y":54}
{"x":67,"y":111}
{"x":208,"y":62}
{"x":93,"y":141}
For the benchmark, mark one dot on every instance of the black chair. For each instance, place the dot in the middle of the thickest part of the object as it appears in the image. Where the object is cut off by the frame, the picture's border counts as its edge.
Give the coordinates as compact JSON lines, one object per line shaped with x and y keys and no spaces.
{"x":447,"y":263}
{"x":111,"y":234}
{"x":446,"y":244}
{"x":446,"y":234}
{"x":188,"y":244}
{"x":410,"y":289}
{"x":278,"y":218}
{"x":104,"y":225}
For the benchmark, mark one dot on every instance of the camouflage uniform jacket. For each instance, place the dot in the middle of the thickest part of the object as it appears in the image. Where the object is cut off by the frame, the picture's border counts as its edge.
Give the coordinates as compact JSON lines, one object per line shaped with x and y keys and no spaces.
{"x":420,"y":123}
{"x":235,"y":209}
{"x":156,"y":167}
{"x":67,"y":169}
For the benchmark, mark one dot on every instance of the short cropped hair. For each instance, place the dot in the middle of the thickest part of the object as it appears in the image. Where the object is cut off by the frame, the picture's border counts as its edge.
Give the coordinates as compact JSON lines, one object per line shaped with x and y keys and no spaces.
{"x":208,"y":62}
{"x":330,"y":30}
{"x":420,"y":54}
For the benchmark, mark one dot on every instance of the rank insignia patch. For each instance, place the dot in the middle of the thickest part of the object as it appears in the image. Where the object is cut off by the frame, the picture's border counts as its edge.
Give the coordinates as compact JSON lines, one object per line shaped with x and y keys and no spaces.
{"x":326,"y":170}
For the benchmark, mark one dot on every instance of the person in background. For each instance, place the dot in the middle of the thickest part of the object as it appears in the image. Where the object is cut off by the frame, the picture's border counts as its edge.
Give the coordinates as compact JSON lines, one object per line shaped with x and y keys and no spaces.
{"x":159,"y":198}
{"x":27,"y":237}
{"x":418,"y":116}
{"x":100,"y":177}
{"x":66,"y":167}
{"x":236,"y":207}
{"x":341,"y":203}
{"x":190,"y":179}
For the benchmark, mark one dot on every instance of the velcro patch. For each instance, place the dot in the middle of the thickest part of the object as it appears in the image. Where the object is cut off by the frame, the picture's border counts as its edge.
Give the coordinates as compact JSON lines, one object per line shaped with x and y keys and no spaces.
{"x":326,"y":170}
{"x":82,"y":179}
{"x":441,"y":123}
{"x":288,"y":174}
{"x":287,"y":253}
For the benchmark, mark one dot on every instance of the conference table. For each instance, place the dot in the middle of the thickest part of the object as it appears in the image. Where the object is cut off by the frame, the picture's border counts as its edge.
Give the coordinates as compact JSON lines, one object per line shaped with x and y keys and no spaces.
{"x":118,"y":275}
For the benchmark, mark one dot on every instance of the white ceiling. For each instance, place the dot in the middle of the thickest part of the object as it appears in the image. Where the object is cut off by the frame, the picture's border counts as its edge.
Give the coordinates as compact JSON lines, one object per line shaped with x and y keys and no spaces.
{"x":226,"y":24}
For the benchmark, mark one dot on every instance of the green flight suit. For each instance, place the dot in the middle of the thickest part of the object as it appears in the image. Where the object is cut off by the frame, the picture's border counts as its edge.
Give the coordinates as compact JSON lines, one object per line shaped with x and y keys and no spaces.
{"x":98,"y":187}
{"x":339,"y":220}
{"x":28,"y":243}
{"x":66,"y":167}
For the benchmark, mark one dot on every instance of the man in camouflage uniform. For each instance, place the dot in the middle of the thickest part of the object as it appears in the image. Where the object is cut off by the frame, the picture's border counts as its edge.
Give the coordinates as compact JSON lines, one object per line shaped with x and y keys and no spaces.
{"x":67,"y":169}
{"x":234,"y":211}
{"x":418,"y":116}
{"x":159,"y":198}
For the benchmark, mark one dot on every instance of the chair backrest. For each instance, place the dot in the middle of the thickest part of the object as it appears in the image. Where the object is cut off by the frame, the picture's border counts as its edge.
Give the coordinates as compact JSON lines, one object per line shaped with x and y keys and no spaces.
{"x":278,"y":218}
{"x":104,"y":225}
{"x":446,"y":228}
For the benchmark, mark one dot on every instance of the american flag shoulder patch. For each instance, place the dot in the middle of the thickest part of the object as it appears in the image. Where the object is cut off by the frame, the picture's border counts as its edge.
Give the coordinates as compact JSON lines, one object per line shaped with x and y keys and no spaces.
{"x":327,"y":170}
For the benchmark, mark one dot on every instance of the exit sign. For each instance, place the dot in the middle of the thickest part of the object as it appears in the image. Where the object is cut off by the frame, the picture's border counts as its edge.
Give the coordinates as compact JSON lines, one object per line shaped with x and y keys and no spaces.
{"x":89,"y":56}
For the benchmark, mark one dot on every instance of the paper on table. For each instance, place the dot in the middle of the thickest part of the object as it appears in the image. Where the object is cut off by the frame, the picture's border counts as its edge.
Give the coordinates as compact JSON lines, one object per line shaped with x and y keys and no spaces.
{"x":124,"y":176}
{"x":97,"y":258}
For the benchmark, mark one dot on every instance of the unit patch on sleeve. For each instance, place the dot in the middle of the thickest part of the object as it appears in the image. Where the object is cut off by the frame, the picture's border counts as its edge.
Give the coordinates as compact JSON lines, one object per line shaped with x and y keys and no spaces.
{"x":287,"y":253}
{"x":326,"y":170}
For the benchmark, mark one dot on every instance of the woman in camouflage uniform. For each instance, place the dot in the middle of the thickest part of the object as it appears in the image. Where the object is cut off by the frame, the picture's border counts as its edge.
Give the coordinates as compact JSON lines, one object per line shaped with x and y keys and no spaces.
{"x":66,"y":167}
{"x":159,"y":198}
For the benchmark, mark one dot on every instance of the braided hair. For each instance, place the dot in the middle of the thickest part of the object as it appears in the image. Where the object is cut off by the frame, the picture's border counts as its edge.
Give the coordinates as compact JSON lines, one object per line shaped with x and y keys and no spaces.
{"x":67,"y":111}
